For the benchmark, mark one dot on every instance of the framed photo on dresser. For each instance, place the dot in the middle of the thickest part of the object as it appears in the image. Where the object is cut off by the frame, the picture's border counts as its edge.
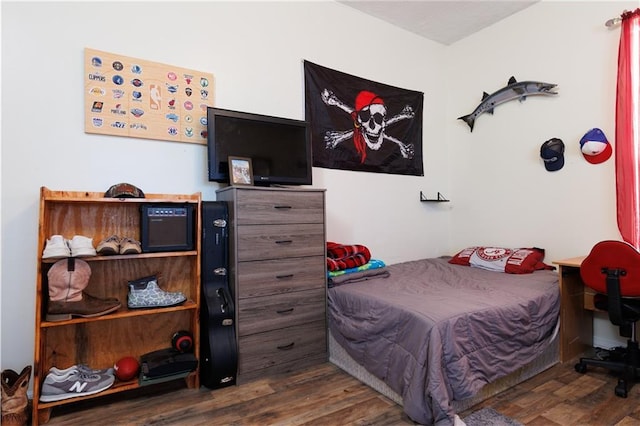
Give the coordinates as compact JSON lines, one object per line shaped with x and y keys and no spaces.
{"x":240,"y":171}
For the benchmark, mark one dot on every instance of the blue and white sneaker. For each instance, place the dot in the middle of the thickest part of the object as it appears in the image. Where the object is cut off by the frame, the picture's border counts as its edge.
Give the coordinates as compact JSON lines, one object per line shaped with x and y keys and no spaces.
{"x":73,"y":384}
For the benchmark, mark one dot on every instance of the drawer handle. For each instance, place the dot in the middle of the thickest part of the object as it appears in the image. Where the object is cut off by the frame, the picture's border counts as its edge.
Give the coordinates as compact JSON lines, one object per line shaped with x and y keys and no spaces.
{"x":284,"y":241}
{"x":286,"y":347}
{"x":280,"y":277}
{"x":285,"y":311}
{"x":281,"y":207}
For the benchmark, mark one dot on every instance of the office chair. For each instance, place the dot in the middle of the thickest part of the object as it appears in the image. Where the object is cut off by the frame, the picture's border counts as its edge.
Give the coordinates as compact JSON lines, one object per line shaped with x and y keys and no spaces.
{"x":612,"y":269}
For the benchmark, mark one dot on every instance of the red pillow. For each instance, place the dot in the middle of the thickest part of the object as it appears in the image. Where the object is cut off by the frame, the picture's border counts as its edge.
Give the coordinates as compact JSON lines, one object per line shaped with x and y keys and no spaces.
{"x":511,"y":261}
{"x":462,"y":258}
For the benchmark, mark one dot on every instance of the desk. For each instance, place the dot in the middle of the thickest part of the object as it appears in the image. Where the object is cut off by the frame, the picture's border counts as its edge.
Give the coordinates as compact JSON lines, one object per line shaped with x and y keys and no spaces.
{"x":576,"y":310}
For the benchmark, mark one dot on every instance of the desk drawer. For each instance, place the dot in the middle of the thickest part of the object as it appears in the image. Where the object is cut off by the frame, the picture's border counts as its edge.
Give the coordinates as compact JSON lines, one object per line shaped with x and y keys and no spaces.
{"x":264,"y":350}
{"x":259,"y":314}
{"x":259,"y":242}
{"x":279,"y":207}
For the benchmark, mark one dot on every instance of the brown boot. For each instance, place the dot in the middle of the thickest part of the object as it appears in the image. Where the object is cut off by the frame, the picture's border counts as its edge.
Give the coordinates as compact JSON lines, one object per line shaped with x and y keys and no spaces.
{"x":14,"y":397}
{"x":87,"y":307}
{"x":67,"y":279}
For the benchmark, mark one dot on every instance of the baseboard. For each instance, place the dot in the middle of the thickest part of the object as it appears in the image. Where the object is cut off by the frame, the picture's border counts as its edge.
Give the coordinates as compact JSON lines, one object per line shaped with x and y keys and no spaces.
{"x":601,"y":342}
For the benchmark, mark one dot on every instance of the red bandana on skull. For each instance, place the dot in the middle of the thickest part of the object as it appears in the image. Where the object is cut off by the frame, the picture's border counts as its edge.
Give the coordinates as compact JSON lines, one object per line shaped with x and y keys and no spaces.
{"x":364,"y":100}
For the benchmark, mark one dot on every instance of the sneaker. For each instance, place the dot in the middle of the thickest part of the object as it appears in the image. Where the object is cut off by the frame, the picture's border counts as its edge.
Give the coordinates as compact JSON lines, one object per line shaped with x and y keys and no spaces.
{"x":145,"y":293}
{"x":82,"y":368}
{"x":82,"y":246}
{"x":57,"y":248}
{"x":74,"y":384}
{"x":130,"y":246}
{"x":110,"y":245}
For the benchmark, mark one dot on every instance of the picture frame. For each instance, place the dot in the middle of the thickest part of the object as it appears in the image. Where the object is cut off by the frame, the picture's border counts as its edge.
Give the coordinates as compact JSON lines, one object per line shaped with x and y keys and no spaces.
{"x":240,"y":171}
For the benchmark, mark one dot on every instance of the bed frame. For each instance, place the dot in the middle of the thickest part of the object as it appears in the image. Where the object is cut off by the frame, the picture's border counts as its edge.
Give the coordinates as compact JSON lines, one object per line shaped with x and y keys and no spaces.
{"x":548,"y":358}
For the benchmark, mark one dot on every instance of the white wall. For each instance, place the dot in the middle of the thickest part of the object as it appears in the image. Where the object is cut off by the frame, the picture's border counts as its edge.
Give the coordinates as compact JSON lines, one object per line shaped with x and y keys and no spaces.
{"x":503,"y":194}
{"x":499,"y":189}
{"x":255,"y":51}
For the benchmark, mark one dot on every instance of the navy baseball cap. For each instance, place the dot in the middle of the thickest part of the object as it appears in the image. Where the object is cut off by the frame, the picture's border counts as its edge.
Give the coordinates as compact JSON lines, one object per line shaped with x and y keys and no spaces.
{"x":552,"y":153}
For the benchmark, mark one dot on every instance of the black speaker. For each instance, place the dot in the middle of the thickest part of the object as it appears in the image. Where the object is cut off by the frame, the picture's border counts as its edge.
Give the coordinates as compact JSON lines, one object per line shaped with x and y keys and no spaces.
{"x":166,"y":227}
{"x":218,"y":344}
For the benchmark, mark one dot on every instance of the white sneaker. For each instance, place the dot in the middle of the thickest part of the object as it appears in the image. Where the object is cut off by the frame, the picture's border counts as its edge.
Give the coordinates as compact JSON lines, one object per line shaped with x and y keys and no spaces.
{"x":57,"y":248}
{"x":82,"y":246}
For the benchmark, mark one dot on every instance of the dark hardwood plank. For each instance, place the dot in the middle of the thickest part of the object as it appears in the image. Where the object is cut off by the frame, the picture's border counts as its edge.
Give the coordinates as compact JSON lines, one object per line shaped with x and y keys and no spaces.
{"x":324,"y":395}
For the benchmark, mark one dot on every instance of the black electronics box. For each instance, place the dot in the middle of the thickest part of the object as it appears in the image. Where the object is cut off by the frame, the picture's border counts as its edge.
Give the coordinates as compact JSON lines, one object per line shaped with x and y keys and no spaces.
{"x":167,"y":362}
{"x":167,"y":227}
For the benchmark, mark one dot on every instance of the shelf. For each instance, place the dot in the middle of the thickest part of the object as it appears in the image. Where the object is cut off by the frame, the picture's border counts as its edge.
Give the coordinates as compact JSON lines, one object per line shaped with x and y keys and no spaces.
{"x":130,"y":256}
{"x":440,"y":198}
{"x":102,"y":340}
{"x":93,"y":197}
{"x":117,"y":387}
{"x":122,"y":313}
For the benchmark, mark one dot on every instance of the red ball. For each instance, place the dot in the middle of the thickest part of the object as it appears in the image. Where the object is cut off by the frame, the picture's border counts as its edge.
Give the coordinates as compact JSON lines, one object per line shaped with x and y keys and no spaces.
{"x":126,"y":368}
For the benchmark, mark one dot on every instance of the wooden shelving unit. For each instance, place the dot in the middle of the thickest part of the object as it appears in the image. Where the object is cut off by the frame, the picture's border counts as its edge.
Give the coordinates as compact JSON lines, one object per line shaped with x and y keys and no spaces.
{"x":100,"y":341}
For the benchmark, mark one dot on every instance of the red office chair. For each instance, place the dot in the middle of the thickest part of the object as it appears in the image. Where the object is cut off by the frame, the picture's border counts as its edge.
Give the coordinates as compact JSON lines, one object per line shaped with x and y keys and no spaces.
{"x":612,"y":269}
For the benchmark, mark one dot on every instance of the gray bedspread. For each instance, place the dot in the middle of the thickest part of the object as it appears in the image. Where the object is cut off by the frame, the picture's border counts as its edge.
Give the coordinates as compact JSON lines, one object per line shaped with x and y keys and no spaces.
{"x":436,"y":332}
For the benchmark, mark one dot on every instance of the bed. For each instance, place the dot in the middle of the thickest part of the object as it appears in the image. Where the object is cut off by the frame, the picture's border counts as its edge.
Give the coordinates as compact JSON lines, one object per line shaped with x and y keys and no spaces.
{"x":437,"y":337}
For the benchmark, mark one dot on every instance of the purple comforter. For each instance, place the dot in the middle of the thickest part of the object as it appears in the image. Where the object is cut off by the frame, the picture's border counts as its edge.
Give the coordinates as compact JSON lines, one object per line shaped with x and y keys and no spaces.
{"x":436,"y":332}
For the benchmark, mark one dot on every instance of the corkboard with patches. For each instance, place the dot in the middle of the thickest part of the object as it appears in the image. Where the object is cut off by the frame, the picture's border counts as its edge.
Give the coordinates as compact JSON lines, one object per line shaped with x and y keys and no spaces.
{"x":142,"y":99}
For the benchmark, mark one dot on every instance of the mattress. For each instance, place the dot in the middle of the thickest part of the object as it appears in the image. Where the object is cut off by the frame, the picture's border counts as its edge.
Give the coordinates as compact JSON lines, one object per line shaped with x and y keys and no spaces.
{"x":436,"y":333}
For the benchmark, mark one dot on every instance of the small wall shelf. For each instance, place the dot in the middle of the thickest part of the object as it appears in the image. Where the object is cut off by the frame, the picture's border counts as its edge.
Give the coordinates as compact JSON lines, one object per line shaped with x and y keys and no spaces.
{"x":440,"y":198}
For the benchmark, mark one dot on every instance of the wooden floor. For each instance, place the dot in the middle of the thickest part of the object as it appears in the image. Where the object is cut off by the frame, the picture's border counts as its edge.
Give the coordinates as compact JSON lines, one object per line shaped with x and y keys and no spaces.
{"x":324,"y":395}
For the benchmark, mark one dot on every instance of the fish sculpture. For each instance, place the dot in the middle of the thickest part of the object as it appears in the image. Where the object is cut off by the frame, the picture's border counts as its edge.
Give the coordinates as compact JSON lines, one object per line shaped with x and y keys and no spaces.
{"x":513,"y":90}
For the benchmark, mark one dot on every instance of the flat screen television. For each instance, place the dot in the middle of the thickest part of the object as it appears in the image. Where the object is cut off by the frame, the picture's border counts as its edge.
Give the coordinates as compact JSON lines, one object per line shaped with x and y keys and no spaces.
{"x":279,"y":148}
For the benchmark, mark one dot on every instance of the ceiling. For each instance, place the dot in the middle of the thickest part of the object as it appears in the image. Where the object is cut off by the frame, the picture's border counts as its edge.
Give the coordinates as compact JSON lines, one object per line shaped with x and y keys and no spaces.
{"x":443,"y":21}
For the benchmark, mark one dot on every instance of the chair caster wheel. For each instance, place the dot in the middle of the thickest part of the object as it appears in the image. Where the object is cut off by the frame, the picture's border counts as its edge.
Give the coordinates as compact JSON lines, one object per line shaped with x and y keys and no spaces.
{"x":581,"y":367}
{"x":621,"y":393}
{"x":621,"y":389}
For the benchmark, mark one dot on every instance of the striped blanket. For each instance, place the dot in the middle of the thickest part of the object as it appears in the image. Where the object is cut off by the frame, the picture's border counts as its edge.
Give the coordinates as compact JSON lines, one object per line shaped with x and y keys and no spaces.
{"x":341,"y":256}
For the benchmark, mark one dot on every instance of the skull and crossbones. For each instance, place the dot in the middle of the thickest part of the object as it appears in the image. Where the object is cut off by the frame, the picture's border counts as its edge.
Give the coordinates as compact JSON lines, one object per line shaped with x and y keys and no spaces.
{"x":369,"y":124}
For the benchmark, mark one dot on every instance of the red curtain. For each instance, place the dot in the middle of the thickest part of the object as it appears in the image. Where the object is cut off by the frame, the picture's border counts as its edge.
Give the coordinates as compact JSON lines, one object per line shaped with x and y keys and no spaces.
{"x":628,"y":129}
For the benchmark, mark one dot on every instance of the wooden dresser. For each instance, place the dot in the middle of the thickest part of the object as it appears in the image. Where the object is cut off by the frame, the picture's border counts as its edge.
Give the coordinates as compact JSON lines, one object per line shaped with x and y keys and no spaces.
{"x":277,"y":264}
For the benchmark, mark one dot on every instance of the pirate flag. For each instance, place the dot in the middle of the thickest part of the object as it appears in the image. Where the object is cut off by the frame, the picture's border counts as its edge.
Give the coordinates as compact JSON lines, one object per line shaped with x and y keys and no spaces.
{"x":361,"y":125}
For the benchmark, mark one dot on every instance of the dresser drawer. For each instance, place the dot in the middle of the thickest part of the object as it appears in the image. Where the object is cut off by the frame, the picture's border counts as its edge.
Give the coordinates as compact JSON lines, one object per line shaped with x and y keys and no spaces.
{"x":279,"y":207}
{"x":258,"y":242}
{"x":259,"y":314}
{"x":264,"y":350}
{"x":267,"y":277}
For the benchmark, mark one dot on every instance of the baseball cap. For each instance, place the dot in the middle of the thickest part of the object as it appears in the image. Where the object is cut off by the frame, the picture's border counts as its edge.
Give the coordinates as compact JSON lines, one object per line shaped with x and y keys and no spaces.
{"x":552,"y":153}
{"x":595,"y":147}
{"x":124,"y":190}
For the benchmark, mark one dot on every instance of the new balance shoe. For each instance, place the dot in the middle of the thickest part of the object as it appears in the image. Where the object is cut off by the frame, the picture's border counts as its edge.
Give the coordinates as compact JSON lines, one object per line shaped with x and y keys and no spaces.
{"x":81,"y":246}
{"x":74,"y":384}
{"x":57,"y":247}
{"x":109,"y":246}
{"x":145,"y":293}
{"x":130,"y":246}
{"x":82,"y":368}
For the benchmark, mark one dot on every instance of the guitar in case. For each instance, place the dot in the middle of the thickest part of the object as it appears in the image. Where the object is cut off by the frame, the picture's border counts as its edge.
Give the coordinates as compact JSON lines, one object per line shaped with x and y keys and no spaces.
{"x":218,"y":346}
